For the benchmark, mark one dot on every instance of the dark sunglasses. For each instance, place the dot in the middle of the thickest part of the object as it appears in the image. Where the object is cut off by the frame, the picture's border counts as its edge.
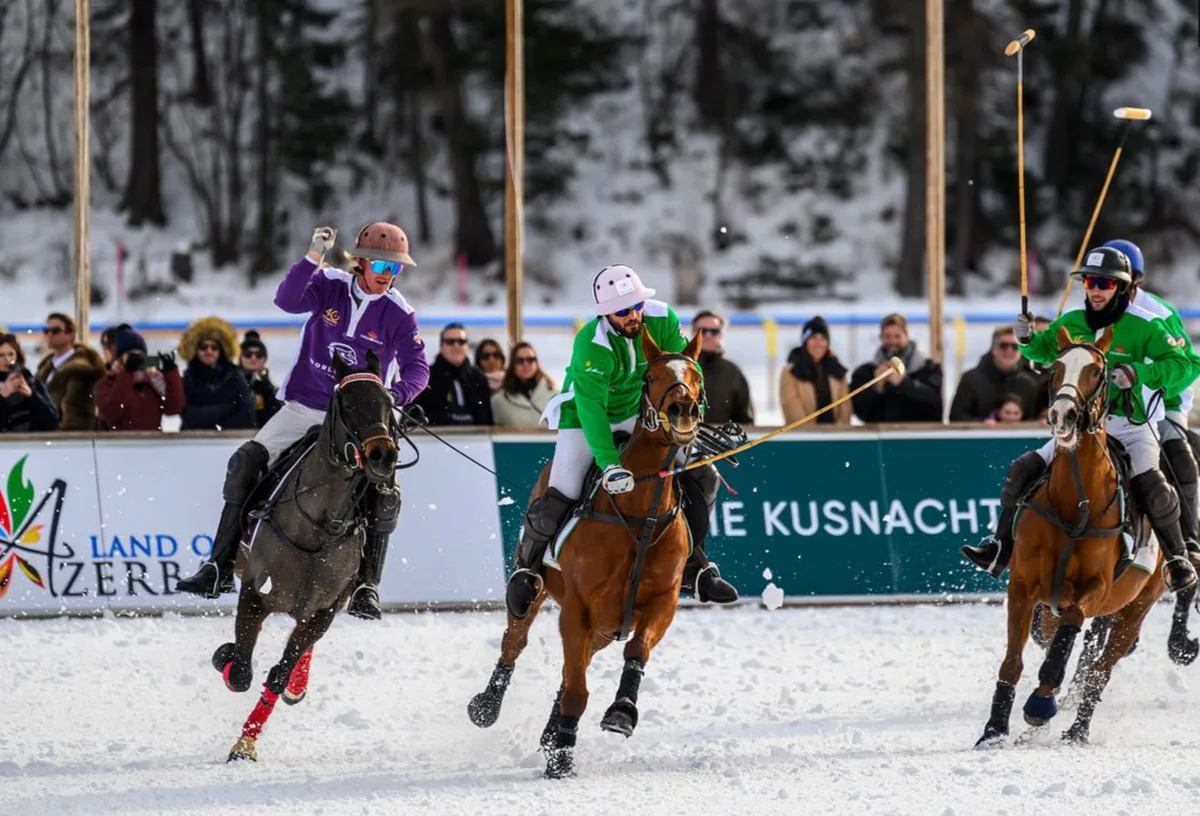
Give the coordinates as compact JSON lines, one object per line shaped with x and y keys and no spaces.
{"x":208,"y":347}
{"x":392,"y":268}
{"x":1006,"y":346}
{"x":1096,"y":282}
{"x":637,"y":307}
{"x":454,"y":341}
{"x":491,"y":355}
{"x":254,"y":354}
{"x":710,"y":332}
{"x":53,"y":330}
{"x":524,"y":360}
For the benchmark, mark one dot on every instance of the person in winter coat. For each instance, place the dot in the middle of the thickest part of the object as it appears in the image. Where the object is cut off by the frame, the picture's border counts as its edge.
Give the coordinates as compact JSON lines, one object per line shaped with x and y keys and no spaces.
{"x":138,"y":390}
{"x":724,"y":383}
{"x":24,"y":404}
{"x":70,"y":372}
{"x":489,"y":359}
{"x":258,"y":377}
{"x":458,"y":393}
{"x":525,"y":392}
{"x":217,"y":395}
{"x":814,"y":378}
{"x":1001,"y":371}
{"x":915,"y":396}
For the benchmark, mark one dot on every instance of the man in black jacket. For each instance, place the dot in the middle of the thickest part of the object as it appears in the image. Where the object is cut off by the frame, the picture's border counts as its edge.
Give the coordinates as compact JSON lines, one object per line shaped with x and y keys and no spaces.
{"x":914,"y":397}
{"x":457,"y":393}
{"x":724,"y":383}
{"x":1001,"y":371}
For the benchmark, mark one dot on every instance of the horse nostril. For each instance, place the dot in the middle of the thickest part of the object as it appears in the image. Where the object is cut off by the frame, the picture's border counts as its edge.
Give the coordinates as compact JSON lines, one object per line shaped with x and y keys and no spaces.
{"x":674,"y":410}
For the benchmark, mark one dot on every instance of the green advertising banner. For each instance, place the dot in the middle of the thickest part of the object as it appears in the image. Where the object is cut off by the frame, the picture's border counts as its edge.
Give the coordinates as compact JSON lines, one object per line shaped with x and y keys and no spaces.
{"x":834,"y":514}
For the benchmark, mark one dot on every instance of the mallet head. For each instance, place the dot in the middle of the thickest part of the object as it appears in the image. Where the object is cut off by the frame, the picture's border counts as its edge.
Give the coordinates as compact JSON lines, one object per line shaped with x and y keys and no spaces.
{"x":897,"y":365}
{"x":1132,"y":113}
{"x":1020,"y":42}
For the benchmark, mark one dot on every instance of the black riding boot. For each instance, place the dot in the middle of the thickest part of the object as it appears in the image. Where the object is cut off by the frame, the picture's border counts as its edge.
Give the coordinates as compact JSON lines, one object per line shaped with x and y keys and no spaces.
{"x":993,"y":553}
{"x":700,"y":576}
{"x":545,"y":516}
{"x":1161,"y":505}
{"x":382,"y":510}
{"x":215,"y":575}
{"x":1178,"y":454}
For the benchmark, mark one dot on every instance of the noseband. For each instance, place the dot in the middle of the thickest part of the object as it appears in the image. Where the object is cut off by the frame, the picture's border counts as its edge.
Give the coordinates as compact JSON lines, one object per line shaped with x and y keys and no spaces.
{"x":653,"y":417}
{"x":1091,"y":409}
{"x":351,"y":453}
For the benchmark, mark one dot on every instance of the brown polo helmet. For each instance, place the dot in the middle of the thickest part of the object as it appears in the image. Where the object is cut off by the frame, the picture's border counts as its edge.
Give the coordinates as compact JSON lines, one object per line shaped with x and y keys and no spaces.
{"x":381,"y":241}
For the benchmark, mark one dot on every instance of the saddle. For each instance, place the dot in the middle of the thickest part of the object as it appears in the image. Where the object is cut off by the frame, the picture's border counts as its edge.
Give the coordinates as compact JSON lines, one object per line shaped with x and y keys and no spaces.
{"x":262,"y":491}
{"x":1134,"y":535}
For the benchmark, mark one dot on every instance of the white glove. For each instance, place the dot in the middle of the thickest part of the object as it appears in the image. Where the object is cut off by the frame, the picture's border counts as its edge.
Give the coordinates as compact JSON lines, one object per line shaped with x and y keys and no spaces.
{"x":617,"y":480}
{"x":322,"y":240}
{"x":1023,"y":328}
{"x":1123,"y":377}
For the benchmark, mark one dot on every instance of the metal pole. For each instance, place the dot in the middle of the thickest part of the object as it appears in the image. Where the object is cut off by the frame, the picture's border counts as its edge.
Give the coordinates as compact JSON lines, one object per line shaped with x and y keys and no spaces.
{"x":514,"y":175}
{"x":81,"y":256}
{"x":935,"y":173}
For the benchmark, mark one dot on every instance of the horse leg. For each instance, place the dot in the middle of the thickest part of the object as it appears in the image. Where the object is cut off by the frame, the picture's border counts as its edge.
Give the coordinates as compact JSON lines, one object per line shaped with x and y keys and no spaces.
{"x":297,"y":687}
{"x":303,"y":638}
{"x":484,"y":708}
{"x":1180,"y":647}
{"x":1041,"y":622}
{"x":1020,"y":618}
{"x":1127,"y":624}
{"x":1094,"y":640}
{"x":233,"y":660}
{"x":1041,"y":705}
{"x":622,"y":715}
{"x":577,"y":639}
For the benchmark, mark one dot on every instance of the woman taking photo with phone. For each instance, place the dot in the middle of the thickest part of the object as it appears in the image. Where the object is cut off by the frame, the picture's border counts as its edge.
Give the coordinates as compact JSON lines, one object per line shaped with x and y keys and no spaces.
{"x":24,"y":404}
{"x":138,"y":390}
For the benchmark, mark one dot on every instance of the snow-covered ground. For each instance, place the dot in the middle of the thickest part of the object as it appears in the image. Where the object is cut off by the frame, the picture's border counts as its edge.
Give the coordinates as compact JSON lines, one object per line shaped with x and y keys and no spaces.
{"x":747,"y":711}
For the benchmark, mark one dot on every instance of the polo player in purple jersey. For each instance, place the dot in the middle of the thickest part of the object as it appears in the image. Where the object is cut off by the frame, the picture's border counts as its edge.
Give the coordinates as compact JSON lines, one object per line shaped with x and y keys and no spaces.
{"x":350,"y":312}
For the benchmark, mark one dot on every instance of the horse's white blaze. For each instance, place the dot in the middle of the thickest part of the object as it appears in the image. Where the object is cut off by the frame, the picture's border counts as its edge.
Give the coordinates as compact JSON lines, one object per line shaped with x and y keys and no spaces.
{"x":679,"y":369}
{"x":1075,"y":362}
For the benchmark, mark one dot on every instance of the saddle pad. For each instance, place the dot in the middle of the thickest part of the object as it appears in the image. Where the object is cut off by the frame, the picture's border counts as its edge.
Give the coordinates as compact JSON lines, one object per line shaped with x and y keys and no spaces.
{"x":553,"y":552}
{"x":1147,"y":557}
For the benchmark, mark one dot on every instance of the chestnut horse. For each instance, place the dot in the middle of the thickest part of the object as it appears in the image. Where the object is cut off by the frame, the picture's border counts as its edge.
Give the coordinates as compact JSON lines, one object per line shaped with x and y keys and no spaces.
{"x":1066,"y":551}
{"x":621,"y":568}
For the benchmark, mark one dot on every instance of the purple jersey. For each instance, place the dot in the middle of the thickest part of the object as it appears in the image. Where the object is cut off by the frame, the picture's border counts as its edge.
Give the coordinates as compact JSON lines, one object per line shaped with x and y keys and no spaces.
{"x":351,"y":324}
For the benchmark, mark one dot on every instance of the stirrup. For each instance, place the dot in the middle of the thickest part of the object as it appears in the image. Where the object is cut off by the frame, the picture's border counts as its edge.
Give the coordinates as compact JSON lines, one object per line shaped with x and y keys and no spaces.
{"x":201,"y":584}
{"x":364,"y":602}
{"x":1167,"y":573}
{"x":510,"y":605}
{"x":992,"y":568}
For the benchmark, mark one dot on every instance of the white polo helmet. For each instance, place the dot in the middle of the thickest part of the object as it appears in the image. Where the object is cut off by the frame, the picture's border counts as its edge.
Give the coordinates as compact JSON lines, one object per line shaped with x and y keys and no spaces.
{"x":618,"y":287}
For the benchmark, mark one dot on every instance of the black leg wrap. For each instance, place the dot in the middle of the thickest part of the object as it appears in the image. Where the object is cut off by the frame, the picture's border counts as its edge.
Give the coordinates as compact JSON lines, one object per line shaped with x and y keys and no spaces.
{"x":551,"y":730}
{"x":484,"y":708}
{"x":997,"y":724}
{"x":631,"y":679}
{"x":560,"y":760}
{"x":1054,"y":668}
{"x":277,"y":680}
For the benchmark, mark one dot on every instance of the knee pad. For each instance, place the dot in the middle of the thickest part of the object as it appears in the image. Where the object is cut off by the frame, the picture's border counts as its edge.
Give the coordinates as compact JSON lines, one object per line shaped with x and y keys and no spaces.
{"x":701,"y":483}
{"x":383,"y":510}
{"x":245,"y":468}
{"x":1157,"y":497}
{"x":1024,"y":470}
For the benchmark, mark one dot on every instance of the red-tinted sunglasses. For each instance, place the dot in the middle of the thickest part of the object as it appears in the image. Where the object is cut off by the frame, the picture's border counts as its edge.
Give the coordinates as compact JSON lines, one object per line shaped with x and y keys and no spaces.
{"x":1097,"y":282}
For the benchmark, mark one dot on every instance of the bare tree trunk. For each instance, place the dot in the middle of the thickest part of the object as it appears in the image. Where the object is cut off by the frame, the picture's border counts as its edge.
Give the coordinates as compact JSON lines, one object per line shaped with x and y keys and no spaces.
{"x":13,"y":83}
{"x":473,"y":232}
{"x":264,"y":254}
{"x":143,"y":190}
{"x":965,"y":80}
{"x":708,"y":92}
{"x":371,"y":72}
{"x":1064,"y":119}
{"x":60,"y":195}
{"x":408,"y":106}
{"x":910,"y":273}
{"x":202,"y":91}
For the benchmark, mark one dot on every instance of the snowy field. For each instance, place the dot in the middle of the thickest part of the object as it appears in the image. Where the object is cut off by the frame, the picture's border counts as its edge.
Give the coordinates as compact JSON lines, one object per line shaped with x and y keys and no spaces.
{"x":745,"y":711}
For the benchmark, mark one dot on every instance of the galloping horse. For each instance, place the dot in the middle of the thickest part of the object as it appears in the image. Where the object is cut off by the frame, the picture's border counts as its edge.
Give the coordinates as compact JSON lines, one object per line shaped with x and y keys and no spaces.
{"x":621,"y":568}
{"x":1067,"y":550}
{"x":306,"y":542}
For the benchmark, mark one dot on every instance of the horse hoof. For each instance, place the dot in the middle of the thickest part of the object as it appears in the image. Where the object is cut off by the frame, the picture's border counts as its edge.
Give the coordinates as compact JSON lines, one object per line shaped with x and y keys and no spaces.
{"x":621,"y":717}
{"x":484,"y":709}
{"x":291,"y":700}
{"x":223,"y":656}
{"x":243,"y":749}
{"x":1076,"y":735}
{"x":1184,"y":654}
{"x":992,"y":738}
{"x":238,"y":676}
{"x":1040,"y":710}
{"x":560,"y":764}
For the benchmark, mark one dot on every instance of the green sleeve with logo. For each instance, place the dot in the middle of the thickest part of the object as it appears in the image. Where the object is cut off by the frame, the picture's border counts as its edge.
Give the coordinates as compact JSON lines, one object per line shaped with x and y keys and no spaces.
{"x":1179,"y":334}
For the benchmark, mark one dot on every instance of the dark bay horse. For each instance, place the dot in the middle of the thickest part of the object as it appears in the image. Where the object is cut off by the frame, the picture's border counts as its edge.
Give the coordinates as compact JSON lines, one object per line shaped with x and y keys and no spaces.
{"x":621,"y":568}
{"x":306,"y":542}
{"x":1067,"y":549}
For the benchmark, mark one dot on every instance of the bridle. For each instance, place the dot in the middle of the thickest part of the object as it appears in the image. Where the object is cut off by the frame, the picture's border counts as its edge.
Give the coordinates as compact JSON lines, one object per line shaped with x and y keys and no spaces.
{"x":350,"y":453}
{"x":1090,"y":410}
{"x":653,"y":417}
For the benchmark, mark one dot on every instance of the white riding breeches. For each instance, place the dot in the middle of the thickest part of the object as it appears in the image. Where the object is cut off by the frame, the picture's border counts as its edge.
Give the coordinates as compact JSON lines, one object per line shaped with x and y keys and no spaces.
{"x":290,"y":423}
{"x":1174,"y":426}
{"x":1138,"y":440}
{"x":573,"y":457}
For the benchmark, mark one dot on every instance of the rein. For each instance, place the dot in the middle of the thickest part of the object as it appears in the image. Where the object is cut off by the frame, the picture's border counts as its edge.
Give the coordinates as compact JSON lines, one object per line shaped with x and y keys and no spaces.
{"x":1091,"y":412}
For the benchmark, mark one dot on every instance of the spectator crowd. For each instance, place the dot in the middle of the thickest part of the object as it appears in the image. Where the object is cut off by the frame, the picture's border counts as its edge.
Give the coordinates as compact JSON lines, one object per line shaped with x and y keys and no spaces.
{"x":216,"y":381}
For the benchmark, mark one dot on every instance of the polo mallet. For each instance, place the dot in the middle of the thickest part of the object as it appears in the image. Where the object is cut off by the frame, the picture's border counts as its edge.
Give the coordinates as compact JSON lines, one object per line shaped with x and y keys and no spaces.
{"x":1017,"y":47}
{"x":1130,"y":115}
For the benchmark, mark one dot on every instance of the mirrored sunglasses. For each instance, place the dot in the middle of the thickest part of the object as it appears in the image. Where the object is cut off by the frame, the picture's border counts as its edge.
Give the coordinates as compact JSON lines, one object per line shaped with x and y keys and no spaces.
{"x":637,"y":307}
{"x":392,"y":268}
{"x":1096,"y":282}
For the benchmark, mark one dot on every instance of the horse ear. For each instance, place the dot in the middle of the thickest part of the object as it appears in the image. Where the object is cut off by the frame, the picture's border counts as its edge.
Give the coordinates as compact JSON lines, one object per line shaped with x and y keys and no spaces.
{"x":1064,"y":337}
{"x":340,"y":369}
{"x":693,"y":348}
{"x":1105,"y":340}
{"x":373,"y":362}
{"x":650,"y":349}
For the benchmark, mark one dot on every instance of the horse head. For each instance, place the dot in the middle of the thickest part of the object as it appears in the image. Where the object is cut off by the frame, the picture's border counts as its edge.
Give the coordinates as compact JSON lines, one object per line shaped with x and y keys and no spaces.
{"x":360,"y":421}
{"x":672,"y":392}
{"x":1079,"y":388}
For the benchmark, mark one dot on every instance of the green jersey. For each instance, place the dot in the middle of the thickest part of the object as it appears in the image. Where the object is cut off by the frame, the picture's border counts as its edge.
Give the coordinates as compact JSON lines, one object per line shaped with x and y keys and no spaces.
{"x":1140,"y":340}
{"x":1166,"y":313}
{"x":603,"y":386}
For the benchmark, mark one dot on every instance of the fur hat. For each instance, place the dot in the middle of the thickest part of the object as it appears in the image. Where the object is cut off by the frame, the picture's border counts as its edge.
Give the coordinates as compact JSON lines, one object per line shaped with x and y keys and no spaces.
{"x":209,"y":328}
